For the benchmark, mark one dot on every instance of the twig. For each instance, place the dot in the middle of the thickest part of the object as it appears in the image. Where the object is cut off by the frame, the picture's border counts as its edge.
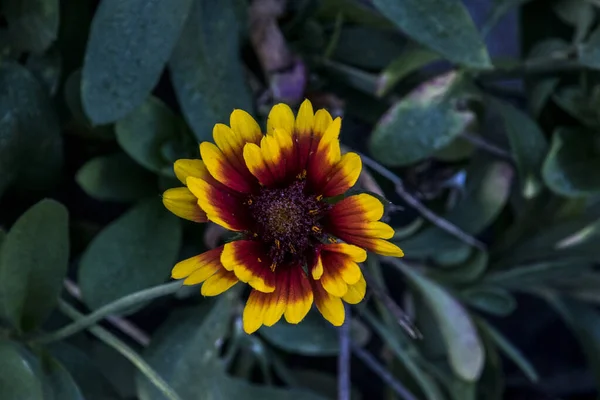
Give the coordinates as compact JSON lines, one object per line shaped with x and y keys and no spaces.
{"x":111,"y":308}
{"x":417,"y":205}
{"x":487,"y":146}
{"x":383,"y":373}
{"x":123,"y":349}
{"x":403,"y":319}
{"x":120,"y":323}
{"x":344,"y":358}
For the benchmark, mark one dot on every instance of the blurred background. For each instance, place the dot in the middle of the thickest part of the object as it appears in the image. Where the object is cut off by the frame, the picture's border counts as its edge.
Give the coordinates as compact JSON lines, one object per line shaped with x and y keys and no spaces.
{"x":479,"y":121}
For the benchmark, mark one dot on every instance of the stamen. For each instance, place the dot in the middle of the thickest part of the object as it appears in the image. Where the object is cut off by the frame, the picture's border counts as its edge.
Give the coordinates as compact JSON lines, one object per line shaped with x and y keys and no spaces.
{"x":316,"y":229}
{"x":292,"y":249}
{"x":277,"y":243}
{"x":259,"y":260}
{"x":273,"y":266}
{"x":302,"y":174}
{"x":331,"y":239}
{"x":249,"y":202}
{"x":313,"y":212}
{"x":319,"y":197}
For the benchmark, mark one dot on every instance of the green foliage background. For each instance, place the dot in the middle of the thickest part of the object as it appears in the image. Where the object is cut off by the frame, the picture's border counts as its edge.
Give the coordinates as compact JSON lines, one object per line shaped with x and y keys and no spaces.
{"x":492,"y":165}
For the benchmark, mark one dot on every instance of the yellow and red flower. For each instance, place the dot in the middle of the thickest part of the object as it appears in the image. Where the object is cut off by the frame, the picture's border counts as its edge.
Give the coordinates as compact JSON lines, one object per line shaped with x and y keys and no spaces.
{"x":297,"y":247}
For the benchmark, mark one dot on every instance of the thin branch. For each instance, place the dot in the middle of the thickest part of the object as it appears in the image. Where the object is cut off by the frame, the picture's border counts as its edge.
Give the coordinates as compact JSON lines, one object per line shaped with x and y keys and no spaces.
{"x":383,"y":373}
{"x":417,"y":205}
{"x":120,"y":323}
{"x":344,"y":358}
{"x":112,"y":308}
{"x":483,"y":144}
{"x":123,"y":349}
{"x":401,"y":317}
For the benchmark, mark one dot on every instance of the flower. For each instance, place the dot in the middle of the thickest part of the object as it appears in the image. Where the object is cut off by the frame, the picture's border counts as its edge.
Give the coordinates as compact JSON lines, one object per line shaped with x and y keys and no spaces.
{"x":297,"y":246}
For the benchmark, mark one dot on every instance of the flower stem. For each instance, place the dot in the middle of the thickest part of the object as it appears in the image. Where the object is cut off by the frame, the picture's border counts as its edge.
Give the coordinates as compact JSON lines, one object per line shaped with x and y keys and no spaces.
{"x":123,"y":303}
{"x":123,"y":349}
{"x":420,"y":207}
{"x":344,"y":381}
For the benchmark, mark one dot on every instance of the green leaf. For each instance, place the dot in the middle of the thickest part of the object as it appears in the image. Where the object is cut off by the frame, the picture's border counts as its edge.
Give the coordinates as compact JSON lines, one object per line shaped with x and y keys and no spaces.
{"x":89,"y":379}
{"x":442,"y":25}
{"x":59,"y":383}
{"x":576,"y":103}
{"x":17,"y":376}
{"x":509,"y":350}
{"x":10,"y":144}
{"x":322,"y":383}
{"x":312,"y":337}
{"x":543,"y":88}
{"x":32,"y":24}
{"x":33,"y":265}
{"x":584,"y":322}
{"x":570,"y":164}
{"x":206,"y":69}
{"x":493,"y":300}
{"x":589,"y":52}
{"x":130,"y":43}
{"x":407,"y":353}
{"x":528,"y":145}
{"x":185,"y":353}
{"x":465,"y":272}
{"x":534,"y":275}
{"x":417,"y":126}
{"x":115,"y":177}
{"x":47,"y":69}
{"x":465,"y":350}
{"x":143,"y":133}
{"x":499,"y":10}
{"x":486,"y":193}
{"x":40,"y":150}
{"x":579,"y":14}
{"x":353,"y":11}
{"x":132,"y":253}
{"x":377,"y":47}
{"x":412,"y":59}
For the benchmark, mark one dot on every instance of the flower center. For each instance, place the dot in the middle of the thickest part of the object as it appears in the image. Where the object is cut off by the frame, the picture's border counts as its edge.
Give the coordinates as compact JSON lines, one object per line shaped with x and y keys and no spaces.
{"x":287,"y":220}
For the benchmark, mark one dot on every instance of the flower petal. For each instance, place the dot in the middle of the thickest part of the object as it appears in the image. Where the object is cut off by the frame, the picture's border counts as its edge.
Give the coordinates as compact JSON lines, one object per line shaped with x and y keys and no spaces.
{"x":376,"y":229}
{"x":184,"y":168}
{"x":222,"y":169}
{"x":325,"y":155}
{"x":316,"y":269}
{"x":245,"y":126}
{"x":360,"y":207}
{"x":254,"y":311}
{"x":280,"y":117}
{"x":221,"y":205}
{"x":305,"y":118}
{"x":250,"y":263}
{"x":183,"y":203}
{"x":375,"y":245}
{"x":300,"y":296}
{"x":343,"y":176}
{"x":218,"y":283}
{"x":356,"y":292}
{"x":331,"y":307}
{"x":356,"y":253}
{"x":231,"y":145}
{"x":267,"y":162}
{"x":204,"y":264}
{"x":321,"y":122}
{"x":276,"y":302}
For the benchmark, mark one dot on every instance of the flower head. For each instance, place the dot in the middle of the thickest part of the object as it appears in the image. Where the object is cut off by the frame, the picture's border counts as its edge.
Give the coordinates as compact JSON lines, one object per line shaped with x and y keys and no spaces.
{"x":297,"y":247}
